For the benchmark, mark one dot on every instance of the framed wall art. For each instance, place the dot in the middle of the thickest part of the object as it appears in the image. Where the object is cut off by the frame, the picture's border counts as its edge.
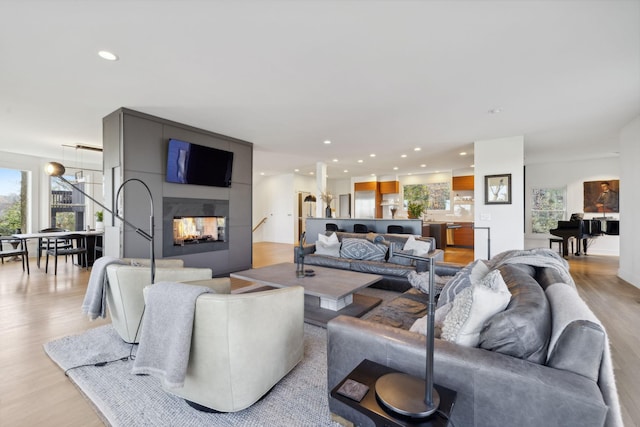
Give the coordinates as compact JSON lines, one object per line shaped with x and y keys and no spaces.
{"x":497,"y":189}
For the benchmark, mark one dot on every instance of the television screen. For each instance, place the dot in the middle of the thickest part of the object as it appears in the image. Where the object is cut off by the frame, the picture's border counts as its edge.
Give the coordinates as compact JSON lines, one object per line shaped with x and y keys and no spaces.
{"x":189,"y":163}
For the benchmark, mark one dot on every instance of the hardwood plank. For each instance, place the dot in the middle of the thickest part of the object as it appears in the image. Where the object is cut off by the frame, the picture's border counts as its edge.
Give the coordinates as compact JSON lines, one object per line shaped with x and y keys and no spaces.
{"x":38,"y":308}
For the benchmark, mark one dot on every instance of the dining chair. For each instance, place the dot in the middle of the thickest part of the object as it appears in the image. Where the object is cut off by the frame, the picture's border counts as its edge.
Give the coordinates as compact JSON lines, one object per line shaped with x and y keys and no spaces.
{"x":17,"y":248}
{"x":45,"y":243}
{"x":77,"y":246}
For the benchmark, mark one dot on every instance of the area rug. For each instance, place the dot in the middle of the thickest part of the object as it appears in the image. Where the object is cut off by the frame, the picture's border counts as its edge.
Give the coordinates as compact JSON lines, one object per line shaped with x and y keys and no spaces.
{"x":123,"y":399}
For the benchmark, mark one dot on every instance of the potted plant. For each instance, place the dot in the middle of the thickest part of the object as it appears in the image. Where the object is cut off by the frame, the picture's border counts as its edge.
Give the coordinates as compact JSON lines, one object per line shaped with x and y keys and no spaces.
{"x":99,"y":220}
{"x":415,"y":209}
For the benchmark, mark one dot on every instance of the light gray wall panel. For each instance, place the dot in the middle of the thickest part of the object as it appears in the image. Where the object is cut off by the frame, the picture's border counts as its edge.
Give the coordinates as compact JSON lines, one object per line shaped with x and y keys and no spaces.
{"x":240,"y":248}
{"x":143,"y":146}
{"x":242,"y":164}
{"x":240,"y":206}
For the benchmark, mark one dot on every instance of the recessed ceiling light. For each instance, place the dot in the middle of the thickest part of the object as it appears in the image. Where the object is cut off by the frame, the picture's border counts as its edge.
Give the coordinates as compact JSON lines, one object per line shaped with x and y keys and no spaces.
{"x":373,"y":174}
{"x":360,"y":161}
{"x":372,"y":155}
{"x":473,"y":166}
{"x":395,"y":168}
{"x":262,"y":173}
{"x":463,"y":153}
{"x":403,"y":156}
{"x":335,"y":160}
{"x":296,"y":170}
{"x":109,"y":56}
{"x":326,"y":141}
{"x":496,"y":110}
{"x":417,"y":149}
{"x":423,"y":165}
{"x":311,"y":173}
{"x":346,"y":170}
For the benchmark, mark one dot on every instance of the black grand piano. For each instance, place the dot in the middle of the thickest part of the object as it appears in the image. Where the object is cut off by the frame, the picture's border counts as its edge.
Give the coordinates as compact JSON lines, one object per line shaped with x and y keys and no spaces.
{"x":580,"y":229}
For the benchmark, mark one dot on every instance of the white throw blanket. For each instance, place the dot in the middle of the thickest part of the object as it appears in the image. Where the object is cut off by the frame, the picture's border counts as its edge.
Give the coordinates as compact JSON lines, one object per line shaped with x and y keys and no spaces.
{"x":165,"y":340}
{"x":94,"y":299}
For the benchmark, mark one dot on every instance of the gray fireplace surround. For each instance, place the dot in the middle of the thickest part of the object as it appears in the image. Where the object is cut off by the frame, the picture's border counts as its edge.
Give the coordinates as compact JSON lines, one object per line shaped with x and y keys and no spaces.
{"x":173,"y":207}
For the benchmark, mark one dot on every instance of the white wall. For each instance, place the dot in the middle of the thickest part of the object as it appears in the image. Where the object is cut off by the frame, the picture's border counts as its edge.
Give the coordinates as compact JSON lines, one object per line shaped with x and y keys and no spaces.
{"x":630,"y":203}
{"x":494,"y":157}
{"x":572,"y":175}
{"x":274,"y":198}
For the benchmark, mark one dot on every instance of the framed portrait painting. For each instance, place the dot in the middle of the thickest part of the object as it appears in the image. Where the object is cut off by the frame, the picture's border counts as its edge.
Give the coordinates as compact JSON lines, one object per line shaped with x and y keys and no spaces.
{"x":602,"y":196}
{"x":497,"y":189}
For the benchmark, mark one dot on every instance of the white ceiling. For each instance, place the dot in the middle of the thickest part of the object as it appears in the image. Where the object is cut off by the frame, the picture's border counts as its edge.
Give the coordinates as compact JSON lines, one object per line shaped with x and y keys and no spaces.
{"x":377,"y":77}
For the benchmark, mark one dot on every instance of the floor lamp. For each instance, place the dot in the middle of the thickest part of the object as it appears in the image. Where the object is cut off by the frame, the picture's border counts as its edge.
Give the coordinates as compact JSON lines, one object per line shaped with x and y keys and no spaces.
{"x":403,"y":393}
{"x":57,"y":169}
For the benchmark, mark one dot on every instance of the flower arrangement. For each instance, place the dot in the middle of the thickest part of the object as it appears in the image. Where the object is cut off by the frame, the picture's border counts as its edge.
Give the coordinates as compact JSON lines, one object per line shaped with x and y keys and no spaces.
{"x":327,"y":198}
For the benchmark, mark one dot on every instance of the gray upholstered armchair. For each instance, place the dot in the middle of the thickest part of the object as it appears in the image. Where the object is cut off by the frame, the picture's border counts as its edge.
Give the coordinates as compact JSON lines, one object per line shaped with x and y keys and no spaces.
{"x":242,"y":345}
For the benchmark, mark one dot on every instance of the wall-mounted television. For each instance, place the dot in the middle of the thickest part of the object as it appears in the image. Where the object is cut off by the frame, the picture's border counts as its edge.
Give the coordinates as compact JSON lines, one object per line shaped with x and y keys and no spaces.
{"x":189,"y":163}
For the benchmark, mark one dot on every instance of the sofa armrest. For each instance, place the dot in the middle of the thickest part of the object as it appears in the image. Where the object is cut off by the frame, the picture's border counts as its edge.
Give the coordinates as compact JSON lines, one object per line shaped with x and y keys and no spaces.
{"x":490,"y":385}
{"x":306,"y":250}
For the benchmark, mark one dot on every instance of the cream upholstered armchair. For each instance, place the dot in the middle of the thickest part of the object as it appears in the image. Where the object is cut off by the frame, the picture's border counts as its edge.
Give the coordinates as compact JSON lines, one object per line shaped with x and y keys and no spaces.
{"x":126,"y":282}
{"x":242,"y":345}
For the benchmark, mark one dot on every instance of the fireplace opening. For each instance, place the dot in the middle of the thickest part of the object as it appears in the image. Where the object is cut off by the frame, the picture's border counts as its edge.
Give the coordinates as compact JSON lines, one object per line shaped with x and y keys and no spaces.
{"x":193,"y":230}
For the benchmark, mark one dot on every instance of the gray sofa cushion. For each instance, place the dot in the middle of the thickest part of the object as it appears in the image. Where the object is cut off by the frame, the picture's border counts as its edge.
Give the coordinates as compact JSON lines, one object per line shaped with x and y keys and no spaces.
{"x":523,"y":329}
{"x":578,"y":340}
{"x":327,"y":261}
{"x":383,"y":268}
{"x":363,"y":249}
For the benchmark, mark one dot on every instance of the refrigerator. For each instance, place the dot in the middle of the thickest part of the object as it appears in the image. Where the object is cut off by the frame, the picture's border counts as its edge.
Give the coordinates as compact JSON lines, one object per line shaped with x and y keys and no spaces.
{"x":365,"y":204}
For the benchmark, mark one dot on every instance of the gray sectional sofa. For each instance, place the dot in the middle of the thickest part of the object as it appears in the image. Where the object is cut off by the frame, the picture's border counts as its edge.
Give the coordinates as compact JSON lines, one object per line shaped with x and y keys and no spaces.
{"x":542,"y":361}
{"x":394,"y":271}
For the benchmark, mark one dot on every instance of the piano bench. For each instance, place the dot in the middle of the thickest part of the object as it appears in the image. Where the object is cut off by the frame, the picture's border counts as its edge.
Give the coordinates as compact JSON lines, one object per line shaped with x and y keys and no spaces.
{"x":553,"y":240}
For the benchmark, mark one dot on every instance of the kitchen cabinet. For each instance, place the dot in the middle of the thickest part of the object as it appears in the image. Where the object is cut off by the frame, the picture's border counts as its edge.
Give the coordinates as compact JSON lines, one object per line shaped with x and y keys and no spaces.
{"x":463,"y":183}
{"x":464,"y":235}
{"x":389,"y":187}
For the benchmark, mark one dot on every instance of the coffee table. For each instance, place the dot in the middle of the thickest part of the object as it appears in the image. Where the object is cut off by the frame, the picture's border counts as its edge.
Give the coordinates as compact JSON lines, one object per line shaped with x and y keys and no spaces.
{"x":329,"y":293}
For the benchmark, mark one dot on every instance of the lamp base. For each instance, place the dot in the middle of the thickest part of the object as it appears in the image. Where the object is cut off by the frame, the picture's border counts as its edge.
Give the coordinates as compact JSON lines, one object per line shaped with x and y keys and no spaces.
{"x":405,"y":395}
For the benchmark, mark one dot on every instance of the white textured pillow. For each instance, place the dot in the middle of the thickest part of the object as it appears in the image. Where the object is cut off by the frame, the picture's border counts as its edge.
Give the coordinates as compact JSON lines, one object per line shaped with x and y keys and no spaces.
{"x":331,"y":238}
{"x":419,"y":248}
{"x":420,"y":325}
{"x":473,"y":306}
{"x":331,"y":249}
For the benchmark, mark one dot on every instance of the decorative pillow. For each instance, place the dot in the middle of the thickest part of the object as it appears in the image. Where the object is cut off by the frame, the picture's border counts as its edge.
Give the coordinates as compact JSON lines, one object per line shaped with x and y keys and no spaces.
{"x":420,"y":325}
{"x":331,"y":238}
{"x":331,"y":249}
{"x":375,"y":238}
{"x":472,"y":307}
{"x":419,"y":248}
{"x":474,"y":271}
{"x":355,"y":248}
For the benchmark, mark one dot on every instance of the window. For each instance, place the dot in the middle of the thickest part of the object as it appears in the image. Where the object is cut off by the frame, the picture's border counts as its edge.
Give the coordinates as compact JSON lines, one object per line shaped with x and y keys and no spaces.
{"x":433,"y":196}
{"x":547,"y":208}
{"x":13,"y":200}
{"x":67,"y":204}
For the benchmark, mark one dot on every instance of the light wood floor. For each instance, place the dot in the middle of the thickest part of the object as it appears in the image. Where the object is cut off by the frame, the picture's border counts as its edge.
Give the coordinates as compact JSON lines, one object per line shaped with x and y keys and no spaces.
{"x":38,"y":308}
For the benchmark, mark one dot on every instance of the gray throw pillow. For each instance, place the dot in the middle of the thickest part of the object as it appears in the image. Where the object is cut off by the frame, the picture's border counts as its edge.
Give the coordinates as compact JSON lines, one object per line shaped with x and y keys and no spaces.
{"x":362,"y":249}
{"x":462,"y":280}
